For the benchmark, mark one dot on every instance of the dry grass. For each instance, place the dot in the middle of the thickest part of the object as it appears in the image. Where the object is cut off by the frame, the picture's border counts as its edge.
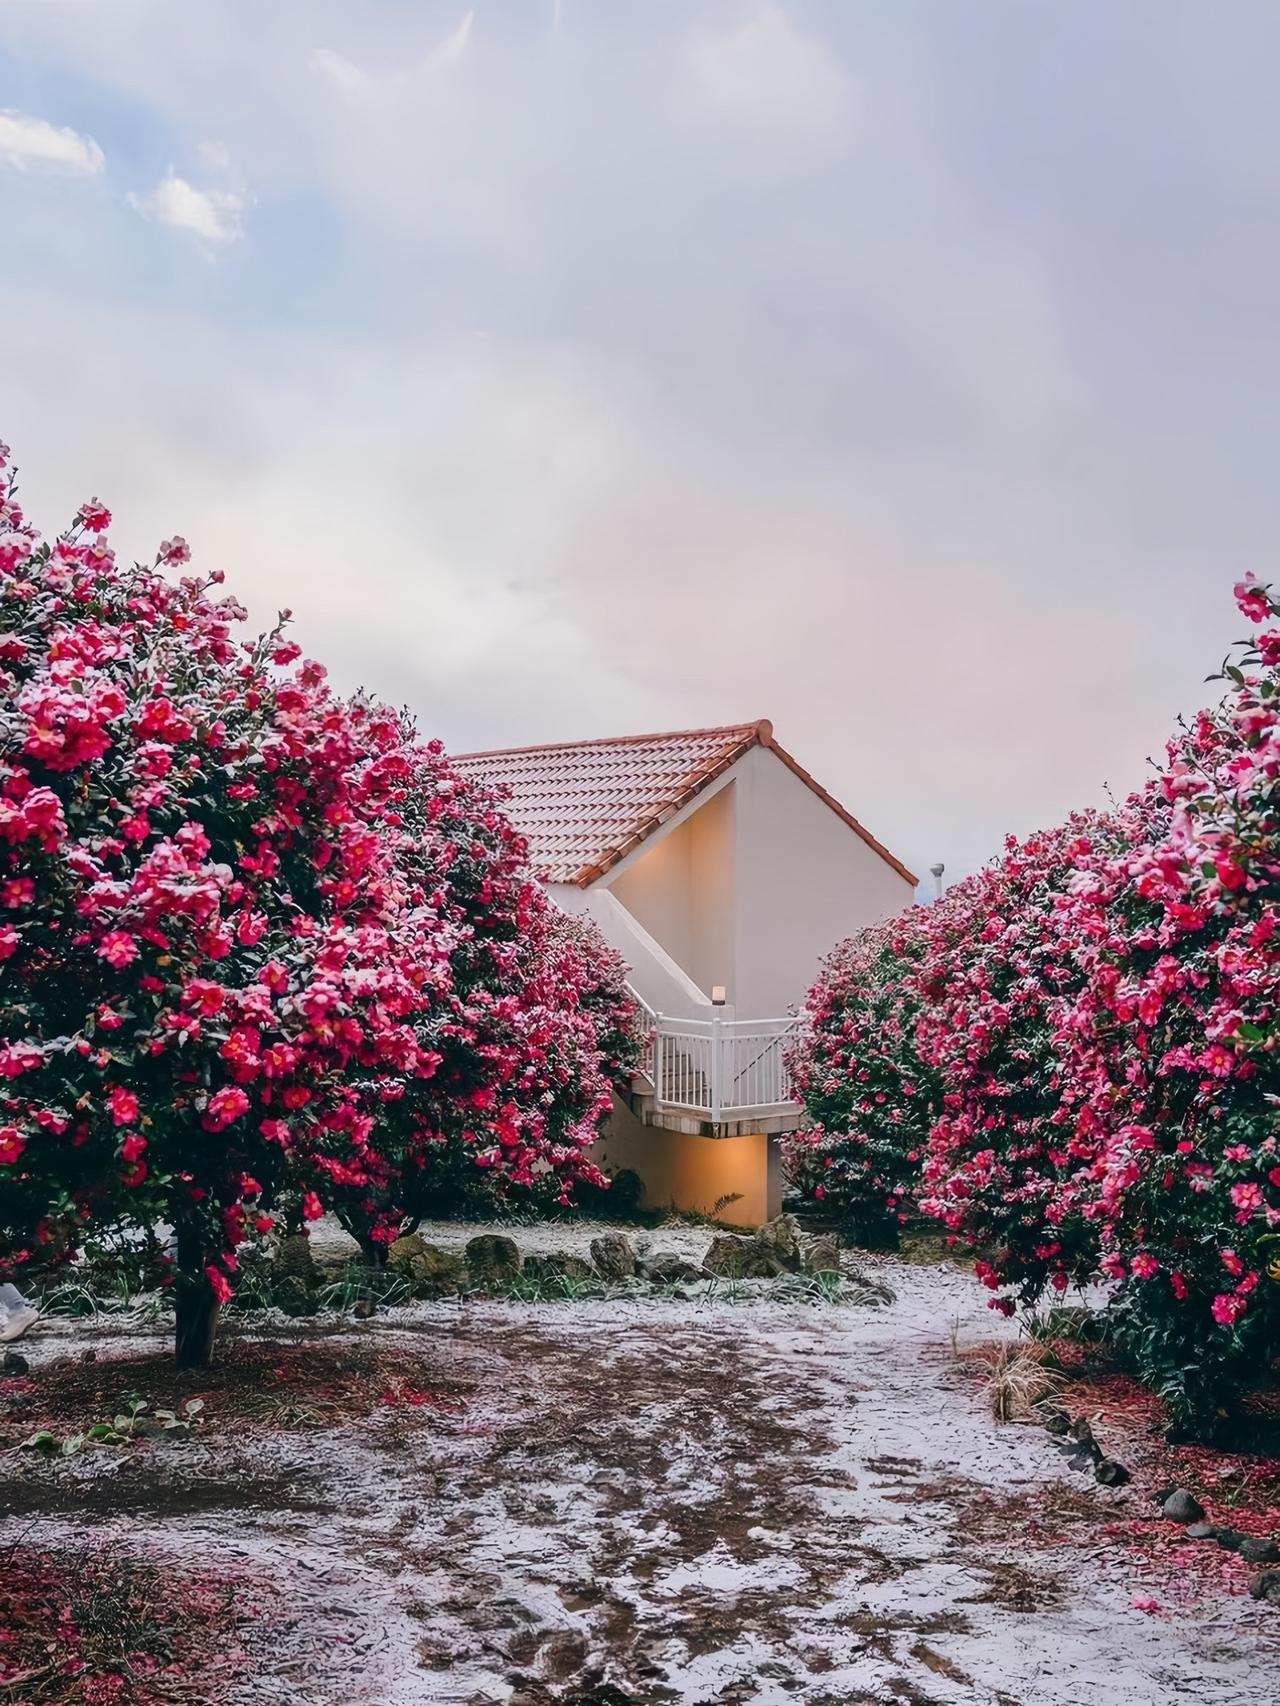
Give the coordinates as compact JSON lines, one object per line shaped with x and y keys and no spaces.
{"x":1016,"y":1377}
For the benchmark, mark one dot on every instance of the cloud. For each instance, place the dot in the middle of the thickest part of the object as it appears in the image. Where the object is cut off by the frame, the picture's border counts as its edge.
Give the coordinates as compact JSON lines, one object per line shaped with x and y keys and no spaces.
{"x":214,"y":156}
{"x":693,"y":362}
{"x":766,"y":72}
{"x":359,"y":86}
{"x":216,"y":217}
{"x":33,"y":144}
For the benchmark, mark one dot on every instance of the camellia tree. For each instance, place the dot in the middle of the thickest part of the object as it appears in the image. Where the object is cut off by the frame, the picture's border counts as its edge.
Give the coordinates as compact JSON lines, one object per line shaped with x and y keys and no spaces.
{"x":1180,"y":1029}
{"x":869,"y":1097}
{"x":236,"y":920}
{"x":1010,"y":1164}
{"x":1098,"y":1011}
{"x":528,"y":1039}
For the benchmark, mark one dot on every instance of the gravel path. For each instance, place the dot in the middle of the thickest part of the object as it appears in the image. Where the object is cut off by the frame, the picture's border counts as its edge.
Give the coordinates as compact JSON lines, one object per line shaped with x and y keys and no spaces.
{"x":618,"y":1501}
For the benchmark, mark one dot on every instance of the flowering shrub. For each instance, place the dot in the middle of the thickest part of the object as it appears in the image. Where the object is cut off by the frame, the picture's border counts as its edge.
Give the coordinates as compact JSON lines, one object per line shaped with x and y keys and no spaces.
{"x":1189,"y":1175}
{"x":1010,"y":1159}
{"x":869,"y":1096}
{"x":264,"y":951}
{"x":1098,"y":1011}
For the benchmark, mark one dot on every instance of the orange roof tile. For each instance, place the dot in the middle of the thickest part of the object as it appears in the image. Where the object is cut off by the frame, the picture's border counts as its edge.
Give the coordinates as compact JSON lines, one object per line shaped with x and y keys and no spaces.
{"x":584,"y":805}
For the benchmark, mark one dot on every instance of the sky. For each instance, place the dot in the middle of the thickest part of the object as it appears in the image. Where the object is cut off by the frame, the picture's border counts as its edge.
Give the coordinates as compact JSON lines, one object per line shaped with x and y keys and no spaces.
{"x":904,"y":372}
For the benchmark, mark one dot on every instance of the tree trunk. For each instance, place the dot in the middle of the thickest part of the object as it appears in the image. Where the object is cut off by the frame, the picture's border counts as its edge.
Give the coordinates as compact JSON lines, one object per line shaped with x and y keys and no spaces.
{"x":197,"y":1307}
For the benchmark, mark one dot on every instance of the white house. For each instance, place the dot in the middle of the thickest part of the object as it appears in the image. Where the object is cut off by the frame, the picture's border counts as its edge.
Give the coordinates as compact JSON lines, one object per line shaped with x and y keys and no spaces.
{"x":722,"y":872}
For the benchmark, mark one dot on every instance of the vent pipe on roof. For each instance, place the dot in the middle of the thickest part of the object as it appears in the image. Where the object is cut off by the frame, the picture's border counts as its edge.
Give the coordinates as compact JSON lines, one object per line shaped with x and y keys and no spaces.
{"x":936,"y":872}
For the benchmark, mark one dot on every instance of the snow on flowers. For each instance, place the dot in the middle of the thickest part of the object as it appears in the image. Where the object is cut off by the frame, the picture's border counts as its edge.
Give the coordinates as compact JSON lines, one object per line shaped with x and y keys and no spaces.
{"x":1089,"y":1029}
{"x":265,"y":951}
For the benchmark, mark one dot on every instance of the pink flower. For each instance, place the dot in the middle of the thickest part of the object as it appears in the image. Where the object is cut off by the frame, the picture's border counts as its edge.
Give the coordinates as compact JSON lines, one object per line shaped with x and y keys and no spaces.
{"x":1227,"y":1309}
{"x":225,"y":1106}
{"x":118,"y":949}
{"x":203,"y":996}
{"x":12,"y":1144}
{"x":1248,"y":1200}
{"x":312,"y":1207}
{"x":94,"y":516}
{"x":1144,"y":1266}
{"x":1252,"y":599}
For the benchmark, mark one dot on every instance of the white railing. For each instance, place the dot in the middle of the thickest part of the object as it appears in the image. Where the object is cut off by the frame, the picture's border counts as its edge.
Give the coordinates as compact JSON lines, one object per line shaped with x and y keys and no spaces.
{"x":722,"y":1068}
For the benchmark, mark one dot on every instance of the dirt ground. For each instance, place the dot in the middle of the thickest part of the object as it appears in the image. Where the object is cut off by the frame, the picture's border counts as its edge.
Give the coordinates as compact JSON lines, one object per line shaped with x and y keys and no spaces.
{"x":622,"y":1501}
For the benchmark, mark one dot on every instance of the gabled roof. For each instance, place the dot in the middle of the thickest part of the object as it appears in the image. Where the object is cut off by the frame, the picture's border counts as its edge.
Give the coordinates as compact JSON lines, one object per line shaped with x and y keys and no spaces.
{"x":584,"y":805}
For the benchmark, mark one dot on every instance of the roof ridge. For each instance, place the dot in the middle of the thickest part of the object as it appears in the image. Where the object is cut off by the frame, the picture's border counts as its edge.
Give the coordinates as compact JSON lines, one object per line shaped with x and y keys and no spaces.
{"x":597,"y":832}
{"x":760,"y":729}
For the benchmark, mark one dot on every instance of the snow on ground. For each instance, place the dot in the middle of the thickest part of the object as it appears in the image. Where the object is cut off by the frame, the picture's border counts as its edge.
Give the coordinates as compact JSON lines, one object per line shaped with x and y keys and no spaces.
{"x":638,"y":1500}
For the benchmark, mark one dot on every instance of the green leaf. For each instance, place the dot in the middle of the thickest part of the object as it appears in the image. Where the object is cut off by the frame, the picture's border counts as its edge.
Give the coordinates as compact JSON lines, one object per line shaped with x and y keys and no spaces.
{"x":41,"y":1441}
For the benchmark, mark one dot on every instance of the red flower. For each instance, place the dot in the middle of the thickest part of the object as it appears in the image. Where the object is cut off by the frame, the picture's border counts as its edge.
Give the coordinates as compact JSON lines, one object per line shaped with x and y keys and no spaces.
{"x":123,"y":1104}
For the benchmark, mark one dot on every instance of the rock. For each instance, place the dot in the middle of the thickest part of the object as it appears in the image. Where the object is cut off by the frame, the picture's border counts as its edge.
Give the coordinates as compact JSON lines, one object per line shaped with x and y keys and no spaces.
{"x":1266,"y":1586}
{"x":559,"y":1264}
{"x":822,"y":1255}
{"x":1258,"y":1551}
{"x":1179,"y":1506}
{"x":613,"y":1256}
{"x":1109,"y":1473}
{"x":294,"y":1257}
{"x":733,"y":1257}
{"x":363,"y":1308}
{"x":1230,"y":1539}
{"x":292,"y":1276}
{"x":1082,"y":1462}
{"x":782,"y":1237}
{"x":1081,"y":1432}
{"x":664,"y":1267}
{"x":1086,"y":1448}
{"x":14,"y":1363}
{"x":492,"y":1259}
{"x":291,"y":1295}
{"x":1202,"y":1531}
{"x":726,"y":1255}
{"x":427,"y":1269}
{"x":1057,"y":1423}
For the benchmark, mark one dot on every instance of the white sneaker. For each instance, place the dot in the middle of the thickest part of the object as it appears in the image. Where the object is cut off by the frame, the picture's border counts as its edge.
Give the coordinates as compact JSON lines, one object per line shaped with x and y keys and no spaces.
{"x":17,"y":1316}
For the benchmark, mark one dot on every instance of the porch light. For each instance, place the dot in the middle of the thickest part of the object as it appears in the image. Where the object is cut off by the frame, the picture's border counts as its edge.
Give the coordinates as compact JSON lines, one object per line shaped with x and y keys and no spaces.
{"x":717,"y":995}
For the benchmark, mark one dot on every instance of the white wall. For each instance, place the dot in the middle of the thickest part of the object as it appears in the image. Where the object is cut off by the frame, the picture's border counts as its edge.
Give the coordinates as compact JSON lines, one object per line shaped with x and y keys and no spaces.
{"x":749,"y":888}
{"x":652,"y":973}
{"x":712,"y":893}
{"x":743,"y":1175}
{"x":655,"y":889}
{"x":804,"y":881}
{"x":681,"y":889}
